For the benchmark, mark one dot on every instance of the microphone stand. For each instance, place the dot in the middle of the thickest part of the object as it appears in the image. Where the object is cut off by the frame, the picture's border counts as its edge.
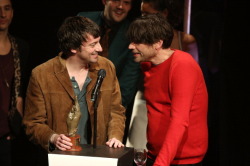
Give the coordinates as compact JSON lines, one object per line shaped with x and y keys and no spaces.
{"x":94,"y":97}
{"x":95,"y":121}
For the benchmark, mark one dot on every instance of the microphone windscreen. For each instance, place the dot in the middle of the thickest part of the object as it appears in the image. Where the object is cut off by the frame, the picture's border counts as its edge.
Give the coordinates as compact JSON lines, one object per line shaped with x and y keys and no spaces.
{"x":102,"y":73}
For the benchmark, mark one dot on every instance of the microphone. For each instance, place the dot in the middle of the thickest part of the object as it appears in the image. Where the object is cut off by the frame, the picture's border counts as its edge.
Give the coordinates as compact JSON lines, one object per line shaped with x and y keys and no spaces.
{"x":101,"y":75}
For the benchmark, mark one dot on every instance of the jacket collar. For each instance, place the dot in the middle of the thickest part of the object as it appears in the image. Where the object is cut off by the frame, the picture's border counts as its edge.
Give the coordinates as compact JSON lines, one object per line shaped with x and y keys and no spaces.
{"x":62,"y":75}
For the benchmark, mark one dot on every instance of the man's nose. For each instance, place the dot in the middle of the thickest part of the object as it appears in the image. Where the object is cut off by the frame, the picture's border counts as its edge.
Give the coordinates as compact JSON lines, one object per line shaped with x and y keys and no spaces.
{"x":99,"y":47}
{"x":131,"y":46}
{"x":2,"y":13}
{"x":120,"y":4}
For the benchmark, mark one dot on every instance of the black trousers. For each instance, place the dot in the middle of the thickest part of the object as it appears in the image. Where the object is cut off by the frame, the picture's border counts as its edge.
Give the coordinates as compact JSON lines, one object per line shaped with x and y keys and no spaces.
{"x":5,"y":151}
{"x":151,"y":162}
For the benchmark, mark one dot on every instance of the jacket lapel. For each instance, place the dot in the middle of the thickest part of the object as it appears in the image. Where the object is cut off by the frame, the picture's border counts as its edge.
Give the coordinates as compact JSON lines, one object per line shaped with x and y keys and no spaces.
{"x":93,"y":72}
{"x":62,"y":75}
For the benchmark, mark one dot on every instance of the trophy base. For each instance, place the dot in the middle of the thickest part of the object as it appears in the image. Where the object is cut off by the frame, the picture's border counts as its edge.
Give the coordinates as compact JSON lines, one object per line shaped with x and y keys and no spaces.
{"x":75,"y":140}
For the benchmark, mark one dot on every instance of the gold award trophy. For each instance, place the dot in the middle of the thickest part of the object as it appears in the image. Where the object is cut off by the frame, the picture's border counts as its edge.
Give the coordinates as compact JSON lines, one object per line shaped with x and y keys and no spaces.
{"x":72,"y":123}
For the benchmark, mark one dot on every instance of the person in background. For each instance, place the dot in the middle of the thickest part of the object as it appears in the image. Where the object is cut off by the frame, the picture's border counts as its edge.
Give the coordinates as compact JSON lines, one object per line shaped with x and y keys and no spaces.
{"x":175,"y":92}
{"x":56,"y":84}
{"x":114,"y":22}
{"x":13,"y":55}
{"x":173,"y":11}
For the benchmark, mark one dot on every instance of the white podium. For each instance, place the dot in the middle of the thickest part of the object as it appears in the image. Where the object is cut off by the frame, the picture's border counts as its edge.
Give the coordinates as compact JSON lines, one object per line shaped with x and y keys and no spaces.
{"x":89,"y":156}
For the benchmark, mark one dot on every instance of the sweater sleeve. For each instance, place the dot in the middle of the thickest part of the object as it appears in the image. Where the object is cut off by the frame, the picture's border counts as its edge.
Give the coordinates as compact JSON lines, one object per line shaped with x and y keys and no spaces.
{"x":183,"y":81}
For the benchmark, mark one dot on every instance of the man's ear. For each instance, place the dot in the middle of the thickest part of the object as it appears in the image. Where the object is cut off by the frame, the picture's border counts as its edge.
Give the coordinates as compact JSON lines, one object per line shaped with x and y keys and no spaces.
{"x":73,"y":51}
{"x":158,"y":44}
{"x":104,"y":2}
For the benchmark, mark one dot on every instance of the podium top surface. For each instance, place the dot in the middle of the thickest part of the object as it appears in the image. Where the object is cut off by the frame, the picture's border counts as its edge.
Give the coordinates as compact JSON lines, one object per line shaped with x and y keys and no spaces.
{"x":99,"y":151}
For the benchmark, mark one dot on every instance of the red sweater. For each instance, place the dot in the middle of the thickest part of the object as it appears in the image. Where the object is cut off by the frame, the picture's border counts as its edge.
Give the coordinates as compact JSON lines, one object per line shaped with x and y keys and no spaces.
{"x":177,"y":103}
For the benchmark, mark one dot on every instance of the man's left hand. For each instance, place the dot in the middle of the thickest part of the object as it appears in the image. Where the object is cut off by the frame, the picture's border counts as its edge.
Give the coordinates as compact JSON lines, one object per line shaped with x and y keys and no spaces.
{"x":113,"y":142}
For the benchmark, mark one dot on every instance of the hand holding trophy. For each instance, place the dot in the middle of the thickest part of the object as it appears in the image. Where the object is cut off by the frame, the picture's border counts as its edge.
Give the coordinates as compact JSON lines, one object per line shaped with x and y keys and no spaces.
{"x":72,"y":123}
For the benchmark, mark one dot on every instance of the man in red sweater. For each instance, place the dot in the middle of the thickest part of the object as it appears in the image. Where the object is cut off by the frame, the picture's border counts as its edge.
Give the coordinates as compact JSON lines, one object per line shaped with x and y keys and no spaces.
{"x":175,"y":93}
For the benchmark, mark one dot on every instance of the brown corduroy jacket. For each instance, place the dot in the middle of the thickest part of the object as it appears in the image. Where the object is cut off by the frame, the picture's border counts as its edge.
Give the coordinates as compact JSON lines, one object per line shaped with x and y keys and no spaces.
{"x":50,"y":97}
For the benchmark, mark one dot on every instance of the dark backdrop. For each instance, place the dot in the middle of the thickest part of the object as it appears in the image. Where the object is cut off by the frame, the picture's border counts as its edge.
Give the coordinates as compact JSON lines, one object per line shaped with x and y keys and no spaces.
{"x":220,"y":27}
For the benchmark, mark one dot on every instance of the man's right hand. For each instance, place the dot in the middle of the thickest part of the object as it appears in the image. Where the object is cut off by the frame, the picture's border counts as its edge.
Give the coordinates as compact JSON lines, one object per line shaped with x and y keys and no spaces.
{"x":61,"y":141}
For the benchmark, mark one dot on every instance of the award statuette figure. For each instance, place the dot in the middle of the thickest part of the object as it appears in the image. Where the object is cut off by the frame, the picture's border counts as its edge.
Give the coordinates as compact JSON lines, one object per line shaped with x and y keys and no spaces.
{"x":72,"y":123}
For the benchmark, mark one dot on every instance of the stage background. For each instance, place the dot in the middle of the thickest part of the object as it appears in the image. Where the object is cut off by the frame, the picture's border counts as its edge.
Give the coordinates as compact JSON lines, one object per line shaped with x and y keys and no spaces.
{"x":221,"y":29}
